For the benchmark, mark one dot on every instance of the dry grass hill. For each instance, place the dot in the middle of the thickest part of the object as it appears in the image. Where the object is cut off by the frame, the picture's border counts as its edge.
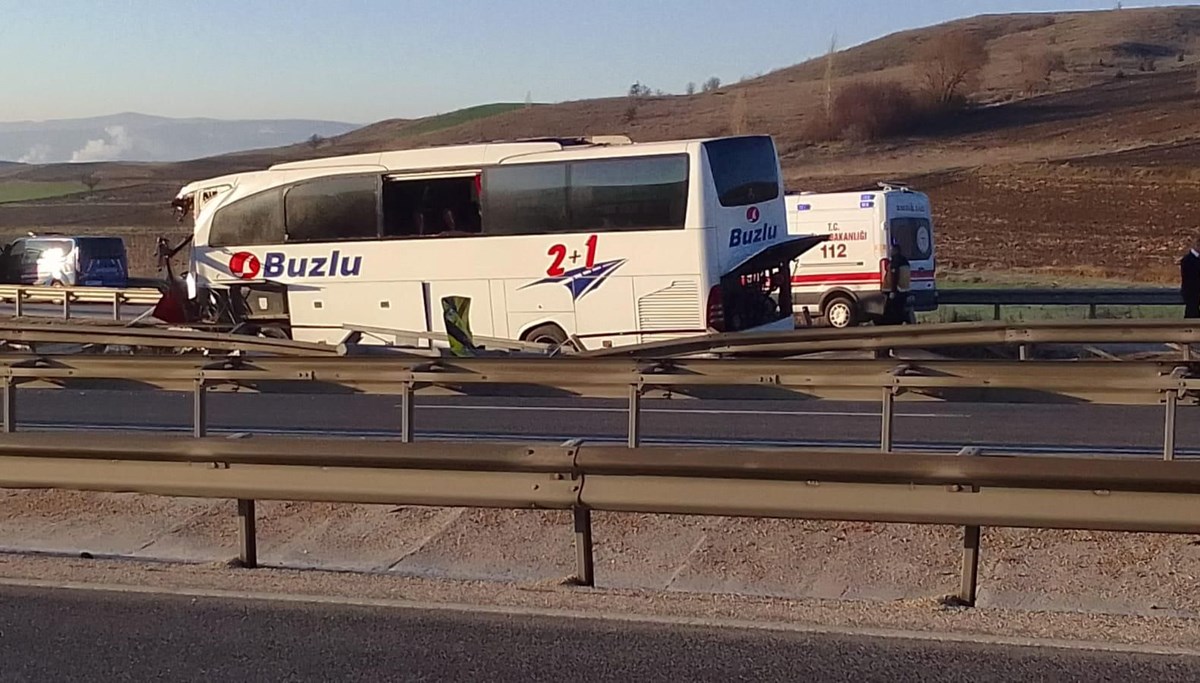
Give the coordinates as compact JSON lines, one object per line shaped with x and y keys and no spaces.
{"x":1092,"y":169}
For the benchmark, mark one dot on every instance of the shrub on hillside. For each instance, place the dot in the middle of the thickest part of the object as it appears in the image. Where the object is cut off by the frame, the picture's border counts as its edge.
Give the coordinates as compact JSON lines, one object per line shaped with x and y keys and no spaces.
{"x":863,"y":112}
{"x":950,"y":67}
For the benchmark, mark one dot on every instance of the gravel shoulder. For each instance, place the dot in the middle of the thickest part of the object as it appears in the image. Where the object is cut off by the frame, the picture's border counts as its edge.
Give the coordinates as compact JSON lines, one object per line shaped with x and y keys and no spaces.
{"x":1109,"y":587}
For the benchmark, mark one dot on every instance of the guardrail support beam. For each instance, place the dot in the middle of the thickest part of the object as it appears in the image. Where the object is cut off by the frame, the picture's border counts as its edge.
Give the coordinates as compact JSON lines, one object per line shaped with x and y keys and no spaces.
{"x":969,"y":578}
{"x":116,"y":306}
{"x":66,"y":306}
{"x":9,"y":389}
{"x":406,"y":412}
{"x":585,"y":563}
{"x":199,"y":409}
{"x":888,"y":415}
{"x":970,"y":566}
{"x":1169,"y":426}
{"x":19,"y":303}
{"x":635,"y":416}
{"x":247,"y":535}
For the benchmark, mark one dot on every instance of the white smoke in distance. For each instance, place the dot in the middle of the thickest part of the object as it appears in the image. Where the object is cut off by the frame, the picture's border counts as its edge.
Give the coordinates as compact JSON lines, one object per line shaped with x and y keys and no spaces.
{"x":38,"y":154}
{"x":118,"y":143}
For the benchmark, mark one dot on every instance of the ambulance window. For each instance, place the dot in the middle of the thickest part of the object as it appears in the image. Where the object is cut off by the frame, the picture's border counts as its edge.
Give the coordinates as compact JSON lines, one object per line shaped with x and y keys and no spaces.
{"x":332,"y":209}
{"x":254,"y":220}
{"x":915,"y":237}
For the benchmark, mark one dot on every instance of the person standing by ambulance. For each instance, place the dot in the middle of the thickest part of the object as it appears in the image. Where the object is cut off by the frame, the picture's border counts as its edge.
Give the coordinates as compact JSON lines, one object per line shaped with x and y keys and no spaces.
{"x":896,"y":284}
{"x":1189,"y":281}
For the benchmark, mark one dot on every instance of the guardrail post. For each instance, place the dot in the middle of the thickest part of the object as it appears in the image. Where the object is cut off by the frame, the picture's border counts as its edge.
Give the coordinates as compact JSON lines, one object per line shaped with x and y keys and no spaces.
{"x":585,"y":561}
{"x":19,"y":303}
{"x":635,"y":416}
{"x":66,"y":310}
{"x":888,"y":411}
{"x":247,"y":535}
{"x":116,"y":309}
{"x":1023,"y":352}
{"x":996,"y":312}
{"x":9,"y":389}
{"x":969,"y":583}
{"x":199,"y":409}
{"x":1091,"y":311}
{"x":406,"y":413}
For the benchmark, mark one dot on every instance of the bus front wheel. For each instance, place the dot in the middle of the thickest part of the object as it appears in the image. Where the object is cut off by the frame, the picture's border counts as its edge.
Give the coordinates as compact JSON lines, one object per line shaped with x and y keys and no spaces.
{"x":841,"y":312}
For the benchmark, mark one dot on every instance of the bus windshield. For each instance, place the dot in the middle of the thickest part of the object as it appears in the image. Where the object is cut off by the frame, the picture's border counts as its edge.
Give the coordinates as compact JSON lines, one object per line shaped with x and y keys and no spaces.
{"x":745,"y":170}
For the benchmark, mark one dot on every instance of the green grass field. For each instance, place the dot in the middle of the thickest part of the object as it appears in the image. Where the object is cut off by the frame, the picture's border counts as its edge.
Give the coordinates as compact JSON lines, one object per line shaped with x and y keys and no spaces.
{"x":24,"y":191}
{"x":457,"y":118}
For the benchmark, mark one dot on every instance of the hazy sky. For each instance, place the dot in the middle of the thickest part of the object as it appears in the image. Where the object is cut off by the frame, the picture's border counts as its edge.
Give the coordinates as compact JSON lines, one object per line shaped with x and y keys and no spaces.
{"x":365,"y":60}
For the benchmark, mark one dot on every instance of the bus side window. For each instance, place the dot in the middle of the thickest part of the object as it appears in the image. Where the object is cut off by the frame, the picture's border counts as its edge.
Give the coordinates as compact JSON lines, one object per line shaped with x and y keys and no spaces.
{"x":430,"y":208}
{"x":332,"y":209}
{"x":252,"y":221}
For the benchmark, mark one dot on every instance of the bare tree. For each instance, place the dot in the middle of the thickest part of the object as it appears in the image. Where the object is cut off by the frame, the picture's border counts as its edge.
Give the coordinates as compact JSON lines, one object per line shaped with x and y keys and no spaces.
{"x":639,"y":90}
{"x":1037,"y":68}
{"x":711,"y":84}
{"x":90,"y":180}
{"x":950,"y":66}
{"x":315,"y":141}
{"x":690,"y":89}
{"x":738,"y":114}
{"x":829,"y":57}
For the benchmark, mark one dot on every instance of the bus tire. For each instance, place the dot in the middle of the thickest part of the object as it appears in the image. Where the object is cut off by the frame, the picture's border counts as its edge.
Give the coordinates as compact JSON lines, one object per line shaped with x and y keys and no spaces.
{"x":546,"y":334}
{"x":841,"y":312}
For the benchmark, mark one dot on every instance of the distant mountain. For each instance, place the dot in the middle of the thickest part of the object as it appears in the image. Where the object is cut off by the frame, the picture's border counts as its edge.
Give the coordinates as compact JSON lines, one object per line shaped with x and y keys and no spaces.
{"x":139,"y":137}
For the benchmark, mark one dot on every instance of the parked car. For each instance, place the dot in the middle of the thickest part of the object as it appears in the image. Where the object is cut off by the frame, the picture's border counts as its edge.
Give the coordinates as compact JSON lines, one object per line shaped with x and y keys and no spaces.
{"x":65,"y":261}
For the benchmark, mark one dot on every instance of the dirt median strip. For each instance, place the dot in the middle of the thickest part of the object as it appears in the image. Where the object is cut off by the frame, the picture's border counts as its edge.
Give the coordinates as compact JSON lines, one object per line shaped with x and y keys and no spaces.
{"x":917,"y":619}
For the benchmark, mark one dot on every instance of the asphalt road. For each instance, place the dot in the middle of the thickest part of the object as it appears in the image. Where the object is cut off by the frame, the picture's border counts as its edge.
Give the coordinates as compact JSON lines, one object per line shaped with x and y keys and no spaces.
{"x":999,"y":427}
{"x":88,"y":635}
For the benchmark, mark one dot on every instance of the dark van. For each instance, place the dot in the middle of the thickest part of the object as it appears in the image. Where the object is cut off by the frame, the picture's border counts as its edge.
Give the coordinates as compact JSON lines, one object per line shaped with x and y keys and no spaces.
{"x":63,"y":261}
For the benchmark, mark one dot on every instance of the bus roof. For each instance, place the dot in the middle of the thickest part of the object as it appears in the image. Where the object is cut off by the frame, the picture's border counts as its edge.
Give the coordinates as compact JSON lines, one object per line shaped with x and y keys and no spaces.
{"x":451,"y":157}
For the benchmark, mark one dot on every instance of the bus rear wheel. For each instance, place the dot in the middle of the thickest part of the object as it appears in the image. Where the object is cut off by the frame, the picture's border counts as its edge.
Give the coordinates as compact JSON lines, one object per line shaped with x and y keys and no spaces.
{"x":550,"y":334}
{"x":841,"y":312}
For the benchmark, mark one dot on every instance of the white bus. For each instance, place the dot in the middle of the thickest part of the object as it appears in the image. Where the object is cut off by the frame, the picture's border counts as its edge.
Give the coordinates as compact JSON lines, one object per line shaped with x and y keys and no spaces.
{"x":842,"y":279}
{"x":607,"y":240}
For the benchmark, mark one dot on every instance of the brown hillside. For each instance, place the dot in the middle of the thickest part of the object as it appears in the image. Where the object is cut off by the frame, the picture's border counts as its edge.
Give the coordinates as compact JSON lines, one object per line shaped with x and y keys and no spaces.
{"x":1101,"y":171}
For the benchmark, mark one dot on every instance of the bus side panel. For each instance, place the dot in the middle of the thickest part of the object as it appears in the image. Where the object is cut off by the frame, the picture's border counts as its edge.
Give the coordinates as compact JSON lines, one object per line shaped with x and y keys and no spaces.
{"x":607,"y":309}
{"x":499,"y":309}
{"x":391,"y":305}
{"x":536,"y":301}
{"x":670,"y":305}
{"x":480,"y":294}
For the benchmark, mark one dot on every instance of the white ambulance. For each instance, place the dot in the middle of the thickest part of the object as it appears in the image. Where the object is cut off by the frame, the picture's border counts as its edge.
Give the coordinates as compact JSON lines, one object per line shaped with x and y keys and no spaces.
{"x":841,"y":279}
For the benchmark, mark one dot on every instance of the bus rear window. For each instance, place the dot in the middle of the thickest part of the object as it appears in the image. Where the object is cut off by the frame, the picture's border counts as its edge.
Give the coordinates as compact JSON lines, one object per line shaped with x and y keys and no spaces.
{"x":745,"y":170}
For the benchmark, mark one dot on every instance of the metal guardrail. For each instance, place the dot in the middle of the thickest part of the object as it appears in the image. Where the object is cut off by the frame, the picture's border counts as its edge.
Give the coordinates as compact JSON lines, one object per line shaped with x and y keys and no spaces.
{"x":1169,"y":384}
{"x":1092,"y":298}
{"x":971,"y":490}
{"x":98,"y":333}
{"x":924,"y":336}
{"x":19,"y":295}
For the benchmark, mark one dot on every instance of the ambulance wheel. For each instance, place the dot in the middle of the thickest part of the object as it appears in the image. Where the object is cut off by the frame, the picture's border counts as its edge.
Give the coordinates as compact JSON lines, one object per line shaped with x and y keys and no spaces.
{"x":841,"y":312}
{"x":550,"y":334}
